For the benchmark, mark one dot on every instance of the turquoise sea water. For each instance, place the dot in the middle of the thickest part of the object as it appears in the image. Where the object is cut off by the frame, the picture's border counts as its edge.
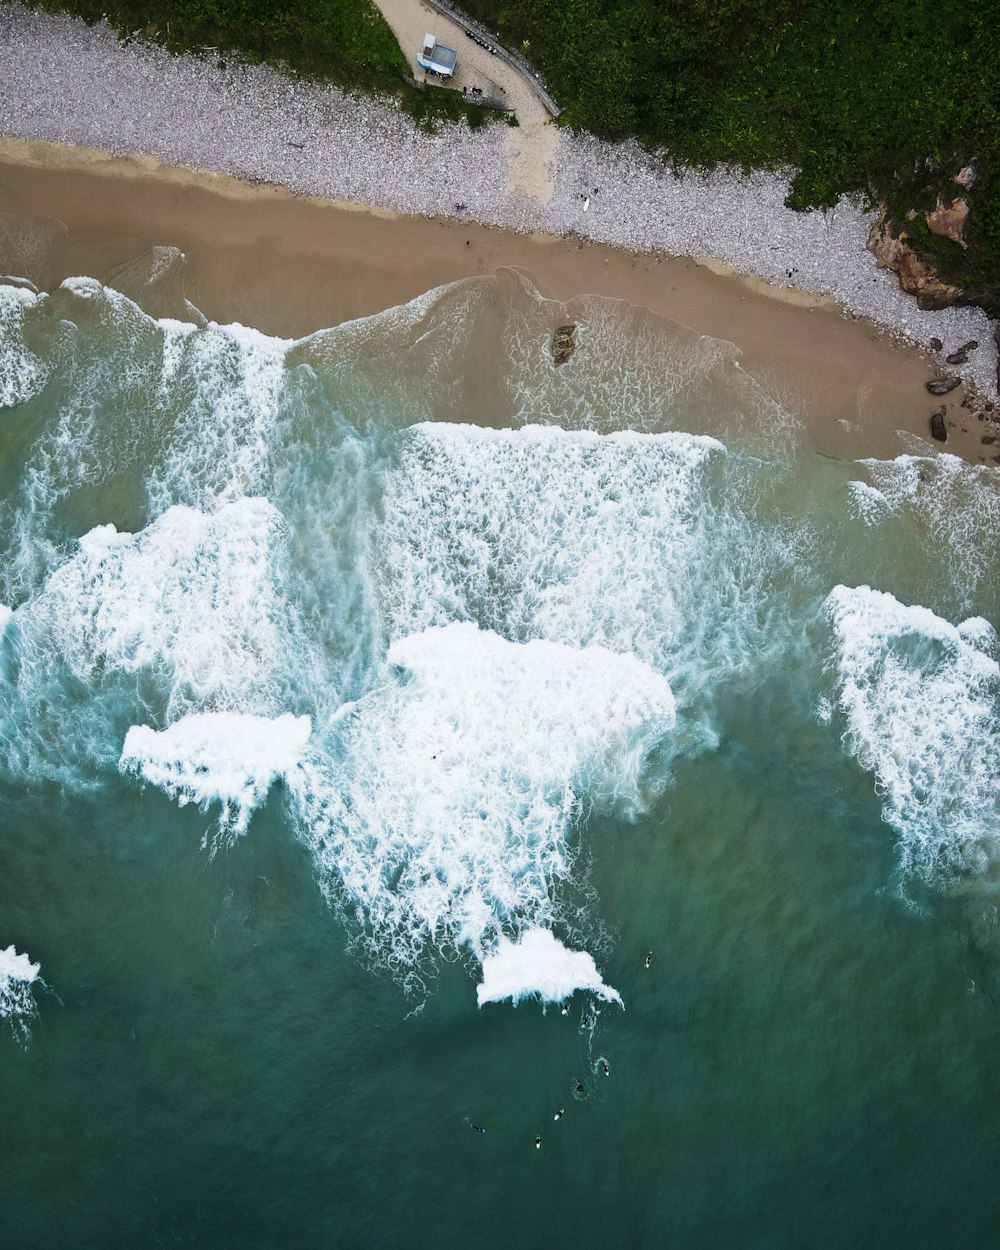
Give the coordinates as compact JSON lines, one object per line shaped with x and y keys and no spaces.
{"x":333,"y":668}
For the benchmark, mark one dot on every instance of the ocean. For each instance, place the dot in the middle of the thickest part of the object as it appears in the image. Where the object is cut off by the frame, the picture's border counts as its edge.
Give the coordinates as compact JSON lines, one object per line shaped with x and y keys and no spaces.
{"x":451,"y":797}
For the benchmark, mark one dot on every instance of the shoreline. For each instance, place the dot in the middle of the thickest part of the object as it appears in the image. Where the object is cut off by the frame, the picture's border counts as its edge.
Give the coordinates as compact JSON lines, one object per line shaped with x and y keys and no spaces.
{"x":64,"y":82}
{"x":290,"y":264}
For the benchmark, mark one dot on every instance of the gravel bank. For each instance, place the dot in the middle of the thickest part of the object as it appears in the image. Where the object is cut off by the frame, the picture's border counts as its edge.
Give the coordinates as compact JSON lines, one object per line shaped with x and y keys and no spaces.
{"x":65,"y":82}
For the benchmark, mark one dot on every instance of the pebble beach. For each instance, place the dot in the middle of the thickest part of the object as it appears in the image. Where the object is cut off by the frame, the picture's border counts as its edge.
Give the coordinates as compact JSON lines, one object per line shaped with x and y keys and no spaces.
{"x":64,"y":82}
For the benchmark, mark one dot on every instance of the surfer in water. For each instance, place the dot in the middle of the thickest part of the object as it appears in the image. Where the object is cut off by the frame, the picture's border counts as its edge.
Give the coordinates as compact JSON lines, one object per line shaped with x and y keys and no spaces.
{"x":479,"y":1128}
{"x":605,"y":1069}
{"x":649,"y":958}
{"x":538,"y":1143}
{"x":559,"y":1114}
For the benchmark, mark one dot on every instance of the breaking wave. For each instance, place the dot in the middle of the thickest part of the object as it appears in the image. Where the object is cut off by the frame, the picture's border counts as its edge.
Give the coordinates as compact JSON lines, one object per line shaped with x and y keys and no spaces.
{"x":190,"y":615}
{"x":642,"y":543}
{"x":537,"y":965}
{"x":17,"y":976}
{"x":211,"y":540}
{"x":219,"y":757}
{"x":439,"y":807}
{"x":921,"y":705}
{"x":22,"y":373}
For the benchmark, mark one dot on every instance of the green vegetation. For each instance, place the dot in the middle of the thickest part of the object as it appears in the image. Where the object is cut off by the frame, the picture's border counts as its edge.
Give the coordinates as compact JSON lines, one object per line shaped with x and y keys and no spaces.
{"x":345,"y":42}
{"x":886,"y":100}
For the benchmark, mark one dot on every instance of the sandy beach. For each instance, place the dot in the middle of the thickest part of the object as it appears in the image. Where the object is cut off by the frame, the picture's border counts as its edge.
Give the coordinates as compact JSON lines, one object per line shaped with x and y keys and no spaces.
{"x":290,"y":264}
{"x":62,"y":81}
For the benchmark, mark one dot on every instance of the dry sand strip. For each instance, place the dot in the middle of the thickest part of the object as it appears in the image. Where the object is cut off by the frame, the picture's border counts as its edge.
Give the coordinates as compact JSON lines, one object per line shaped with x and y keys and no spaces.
{"x":65,"y":82}
{"x":290,"y":264}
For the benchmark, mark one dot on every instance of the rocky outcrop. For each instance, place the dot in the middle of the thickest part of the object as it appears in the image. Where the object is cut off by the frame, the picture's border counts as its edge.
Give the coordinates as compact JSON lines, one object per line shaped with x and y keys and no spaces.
{"x":892,"y":251}
{"x":962,"y":355}
{"x":948,"y":221}
{"x":941,"y":386}
{"x":996,"y":335}
{"x":563,"y":343}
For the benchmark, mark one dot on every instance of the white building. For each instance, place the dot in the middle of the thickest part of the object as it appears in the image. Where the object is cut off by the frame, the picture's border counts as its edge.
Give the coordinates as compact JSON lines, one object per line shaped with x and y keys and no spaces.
{"x":436,"y":58}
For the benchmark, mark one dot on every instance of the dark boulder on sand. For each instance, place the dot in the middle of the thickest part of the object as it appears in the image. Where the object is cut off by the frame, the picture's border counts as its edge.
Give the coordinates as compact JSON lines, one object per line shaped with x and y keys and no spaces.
{"x":938,"y":430}
{"x":941,"y":386}
{"x":962,"y":355}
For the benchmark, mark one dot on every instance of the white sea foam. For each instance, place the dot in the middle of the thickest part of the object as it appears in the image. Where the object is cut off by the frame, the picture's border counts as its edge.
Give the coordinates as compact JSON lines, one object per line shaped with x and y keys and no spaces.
{"x":440,"y":807}
{"x":921,"y":702}
{"x":193,"y":600}
{"x":953,"y":506}
{"x":188,"y":411}
{"x":230,"y":380}
{"x":193,"y":614}
{"x":22,"y":372}
{"x":17,"y":975}
{"x":538,"y":965}
{"x":5,"y":615}
{"x":218,"y":757}
{"x":868,"y":503}
{"x":625,"y":540}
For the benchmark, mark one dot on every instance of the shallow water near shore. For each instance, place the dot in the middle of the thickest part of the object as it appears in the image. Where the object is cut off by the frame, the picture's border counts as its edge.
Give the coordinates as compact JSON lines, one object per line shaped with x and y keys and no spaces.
{"x":335,"y":664}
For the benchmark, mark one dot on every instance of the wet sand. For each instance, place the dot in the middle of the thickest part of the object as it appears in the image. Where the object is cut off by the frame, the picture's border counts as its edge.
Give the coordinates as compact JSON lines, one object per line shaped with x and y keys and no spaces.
{"x":291,"y":264}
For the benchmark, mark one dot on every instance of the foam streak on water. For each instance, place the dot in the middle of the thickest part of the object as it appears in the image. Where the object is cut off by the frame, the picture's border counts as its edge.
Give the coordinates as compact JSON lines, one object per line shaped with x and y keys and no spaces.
{"x":954,"y":509}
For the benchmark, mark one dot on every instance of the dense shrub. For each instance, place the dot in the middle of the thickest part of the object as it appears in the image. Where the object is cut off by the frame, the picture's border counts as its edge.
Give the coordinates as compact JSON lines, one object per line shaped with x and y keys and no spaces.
{"x":884,"y":99}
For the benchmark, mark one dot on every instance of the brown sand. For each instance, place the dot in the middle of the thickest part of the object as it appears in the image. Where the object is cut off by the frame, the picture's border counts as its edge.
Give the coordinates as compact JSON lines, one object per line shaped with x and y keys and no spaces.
{"x":292,"y":264}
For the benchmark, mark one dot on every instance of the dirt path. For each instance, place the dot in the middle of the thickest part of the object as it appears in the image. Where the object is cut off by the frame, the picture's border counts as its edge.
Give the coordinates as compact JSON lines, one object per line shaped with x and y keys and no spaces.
{"x":532,"y":145}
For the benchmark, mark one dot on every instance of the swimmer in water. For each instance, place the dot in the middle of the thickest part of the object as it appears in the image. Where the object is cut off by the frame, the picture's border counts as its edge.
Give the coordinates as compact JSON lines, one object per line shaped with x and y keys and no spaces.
{"x":605,"y":1069}
{"x":559,"y":1114}
{"x":479,"y":1128}
{"x":649,"y":958}
{"x":538,"y":1143}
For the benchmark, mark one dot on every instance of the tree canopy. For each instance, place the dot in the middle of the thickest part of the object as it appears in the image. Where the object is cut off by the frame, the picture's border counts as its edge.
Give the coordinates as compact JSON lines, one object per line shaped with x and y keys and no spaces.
{"x":887,"y":100}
